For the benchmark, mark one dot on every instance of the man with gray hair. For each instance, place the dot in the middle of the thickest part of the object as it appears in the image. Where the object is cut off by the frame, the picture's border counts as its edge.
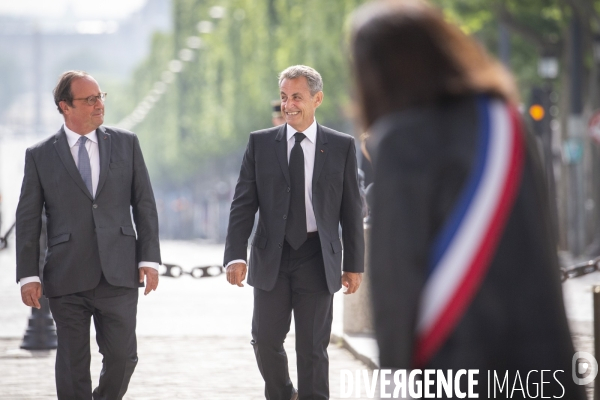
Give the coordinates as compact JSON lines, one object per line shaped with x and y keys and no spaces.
{"x":92,"y":182}
{"x":302,"y":177}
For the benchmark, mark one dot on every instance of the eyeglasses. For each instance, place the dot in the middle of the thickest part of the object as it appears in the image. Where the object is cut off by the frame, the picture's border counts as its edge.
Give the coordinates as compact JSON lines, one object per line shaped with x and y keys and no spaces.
{"x":93,"y":99}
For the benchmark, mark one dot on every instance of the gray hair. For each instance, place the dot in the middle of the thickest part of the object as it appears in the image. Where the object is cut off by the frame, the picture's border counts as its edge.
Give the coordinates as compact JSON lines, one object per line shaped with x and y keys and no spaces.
{"x":315,"y":82}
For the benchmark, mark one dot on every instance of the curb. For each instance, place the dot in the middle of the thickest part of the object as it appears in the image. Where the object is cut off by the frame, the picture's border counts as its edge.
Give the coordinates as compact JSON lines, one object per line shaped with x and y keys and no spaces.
{"x":362,"y":347}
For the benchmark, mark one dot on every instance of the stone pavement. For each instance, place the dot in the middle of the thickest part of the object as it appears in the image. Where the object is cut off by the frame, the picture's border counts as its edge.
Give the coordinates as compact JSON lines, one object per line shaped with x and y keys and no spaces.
{"x":187,"y":367}
{"x":193,"y":338}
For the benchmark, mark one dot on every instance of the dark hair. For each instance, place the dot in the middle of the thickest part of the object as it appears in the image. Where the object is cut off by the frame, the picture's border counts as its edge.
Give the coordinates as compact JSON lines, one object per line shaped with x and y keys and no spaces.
{"x":62,"y":91}
{"x":405,"y":54}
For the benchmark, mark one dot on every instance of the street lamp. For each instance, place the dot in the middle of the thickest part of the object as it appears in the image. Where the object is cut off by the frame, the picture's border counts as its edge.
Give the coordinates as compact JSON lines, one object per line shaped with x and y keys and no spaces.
{"x":542,"y":119}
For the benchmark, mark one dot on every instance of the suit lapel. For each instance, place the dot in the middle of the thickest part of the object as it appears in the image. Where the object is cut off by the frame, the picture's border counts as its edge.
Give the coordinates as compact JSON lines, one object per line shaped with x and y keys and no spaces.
{"x":320,"y":153}
{"x":62,"y":148}
{"x":104,"y":146}
{"x":281,"y":151}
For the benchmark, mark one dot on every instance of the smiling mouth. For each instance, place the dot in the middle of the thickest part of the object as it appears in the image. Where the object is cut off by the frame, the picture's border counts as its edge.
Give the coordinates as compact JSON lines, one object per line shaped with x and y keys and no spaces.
{"x":292,"y":113}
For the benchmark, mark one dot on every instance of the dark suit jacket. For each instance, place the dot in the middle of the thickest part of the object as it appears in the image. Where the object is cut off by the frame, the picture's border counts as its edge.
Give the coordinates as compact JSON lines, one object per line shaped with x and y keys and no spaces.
{"x":517,"y":320}
{"x":264,"y":184}
{"x":87,"y":237}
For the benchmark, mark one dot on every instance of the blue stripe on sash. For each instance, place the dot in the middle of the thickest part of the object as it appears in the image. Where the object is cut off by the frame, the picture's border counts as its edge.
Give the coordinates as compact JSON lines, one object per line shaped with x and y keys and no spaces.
{"x":449,"y":229}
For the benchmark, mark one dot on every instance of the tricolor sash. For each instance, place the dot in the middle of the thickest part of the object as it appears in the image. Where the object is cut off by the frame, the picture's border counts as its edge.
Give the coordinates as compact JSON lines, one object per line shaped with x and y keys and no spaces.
{"x":463,"y":249}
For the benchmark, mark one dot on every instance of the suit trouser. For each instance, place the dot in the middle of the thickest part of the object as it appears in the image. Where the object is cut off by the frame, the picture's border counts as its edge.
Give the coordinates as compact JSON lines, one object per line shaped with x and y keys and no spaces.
{"x":301,"y":287}
{"x":114,"y":312}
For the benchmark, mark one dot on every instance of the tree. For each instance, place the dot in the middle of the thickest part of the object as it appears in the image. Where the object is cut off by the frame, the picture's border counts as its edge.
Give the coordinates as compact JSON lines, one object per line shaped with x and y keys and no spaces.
{"x":226,"y":58}
{"x":225,"y":91}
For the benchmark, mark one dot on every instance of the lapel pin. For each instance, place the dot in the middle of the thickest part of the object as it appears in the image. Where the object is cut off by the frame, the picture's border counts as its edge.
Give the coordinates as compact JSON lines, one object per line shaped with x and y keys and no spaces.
{"x":322,"y":151}
{"x":104,"y":137}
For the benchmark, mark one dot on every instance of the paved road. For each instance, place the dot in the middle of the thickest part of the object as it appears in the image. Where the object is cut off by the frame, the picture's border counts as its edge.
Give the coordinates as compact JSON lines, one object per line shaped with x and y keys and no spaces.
{"x":186,"y":367}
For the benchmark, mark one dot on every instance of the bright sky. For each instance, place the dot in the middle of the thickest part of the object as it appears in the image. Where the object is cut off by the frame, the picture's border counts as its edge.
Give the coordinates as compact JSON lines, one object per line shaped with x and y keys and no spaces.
{"x":81,"y":8}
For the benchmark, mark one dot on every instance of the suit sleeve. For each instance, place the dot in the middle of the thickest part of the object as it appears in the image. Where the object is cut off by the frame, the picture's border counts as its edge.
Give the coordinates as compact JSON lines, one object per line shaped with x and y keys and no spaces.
{"x":29,"y":221}
{"x":351,"y":216}
{"x":143,"y":206}
{"x":243,"y":209}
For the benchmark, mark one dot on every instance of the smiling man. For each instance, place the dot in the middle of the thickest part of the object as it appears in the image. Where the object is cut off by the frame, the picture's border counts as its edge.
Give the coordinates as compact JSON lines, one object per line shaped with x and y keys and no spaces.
{"x":90,"y":179}
{"x":302,"y":177}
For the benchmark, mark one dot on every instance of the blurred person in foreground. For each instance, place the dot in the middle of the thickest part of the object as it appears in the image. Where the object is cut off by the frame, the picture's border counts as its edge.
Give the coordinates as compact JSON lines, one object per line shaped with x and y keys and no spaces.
{"x":91,"y":179}
{"x":464,"y":265}
{"x":302,"y":177}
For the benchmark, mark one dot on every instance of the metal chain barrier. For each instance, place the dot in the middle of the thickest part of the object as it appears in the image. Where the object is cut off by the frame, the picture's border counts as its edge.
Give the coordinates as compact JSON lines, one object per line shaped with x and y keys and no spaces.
{"x":4,"y":239}
{"x":175,"y":271}
{"x":580,"y":269}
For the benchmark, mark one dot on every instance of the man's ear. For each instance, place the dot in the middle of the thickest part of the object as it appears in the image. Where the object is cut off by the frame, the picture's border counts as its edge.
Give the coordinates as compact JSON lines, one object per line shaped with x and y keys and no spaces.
{"x":63,"y":106}
{"x":318,"y":99}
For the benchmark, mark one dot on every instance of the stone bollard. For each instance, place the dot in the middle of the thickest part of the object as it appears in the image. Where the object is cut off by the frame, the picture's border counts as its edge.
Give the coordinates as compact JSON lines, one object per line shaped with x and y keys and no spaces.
{"x":357,"y":307}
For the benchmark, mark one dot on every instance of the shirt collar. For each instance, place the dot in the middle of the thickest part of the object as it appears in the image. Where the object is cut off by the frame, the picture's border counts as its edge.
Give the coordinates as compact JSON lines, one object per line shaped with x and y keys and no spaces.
{"x":310,"y":132}
{"x":73,"y":137}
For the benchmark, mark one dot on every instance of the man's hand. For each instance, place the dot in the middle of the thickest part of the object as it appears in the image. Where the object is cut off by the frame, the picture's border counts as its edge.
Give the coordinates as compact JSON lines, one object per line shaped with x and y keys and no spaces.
{"x":236,"y":273}
{"x":351,"y":280}
{"x":151,"y":278}
{"x":31,"y":293}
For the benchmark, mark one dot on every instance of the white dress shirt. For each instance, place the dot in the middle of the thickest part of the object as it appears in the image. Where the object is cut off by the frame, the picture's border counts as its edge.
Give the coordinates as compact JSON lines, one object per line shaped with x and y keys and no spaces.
{"x":91,"y":145}
{"x":308,"y":147}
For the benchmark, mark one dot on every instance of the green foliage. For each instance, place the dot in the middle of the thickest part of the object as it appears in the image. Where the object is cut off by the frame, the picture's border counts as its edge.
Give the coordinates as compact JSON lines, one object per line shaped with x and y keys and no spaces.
{"x":158,"y":131}
{"x":224,"y":92}
{"x":537,"y":27}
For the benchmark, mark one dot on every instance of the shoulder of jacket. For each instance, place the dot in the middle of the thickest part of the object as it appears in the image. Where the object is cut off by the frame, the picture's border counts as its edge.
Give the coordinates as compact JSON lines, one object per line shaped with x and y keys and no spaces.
{"x":117,"y":131}
{"x":39,"y":146}
{"x":266,"y":132}
{"x":332,"y":133}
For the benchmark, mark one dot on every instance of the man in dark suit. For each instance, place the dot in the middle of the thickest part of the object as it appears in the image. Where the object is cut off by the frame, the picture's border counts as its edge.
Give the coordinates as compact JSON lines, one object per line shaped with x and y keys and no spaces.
{"x":90,"y":179}
{"x":302,"y":178}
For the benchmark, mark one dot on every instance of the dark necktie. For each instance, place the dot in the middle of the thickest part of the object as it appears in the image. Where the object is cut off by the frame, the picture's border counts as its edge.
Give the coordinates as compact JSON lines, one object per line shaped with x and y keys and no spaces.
{"x":83,"y":164}
{"x":295,"y":229}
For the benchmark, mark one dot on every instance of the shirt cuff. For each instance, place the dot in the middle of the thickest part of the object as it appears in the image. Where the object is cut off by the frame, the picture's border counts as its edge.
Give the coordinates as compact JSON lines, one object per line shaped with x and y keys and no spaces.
{"x":235,"y":261}
{"x":29,"y":279}
{"x":150,"y":264}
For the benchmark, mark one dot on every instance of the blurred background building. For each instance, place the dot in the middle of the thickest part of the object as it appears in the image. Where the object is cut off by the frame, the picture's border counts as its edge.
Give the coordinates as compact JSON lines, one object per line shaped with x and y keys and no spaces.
{"x":35,"y":50}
